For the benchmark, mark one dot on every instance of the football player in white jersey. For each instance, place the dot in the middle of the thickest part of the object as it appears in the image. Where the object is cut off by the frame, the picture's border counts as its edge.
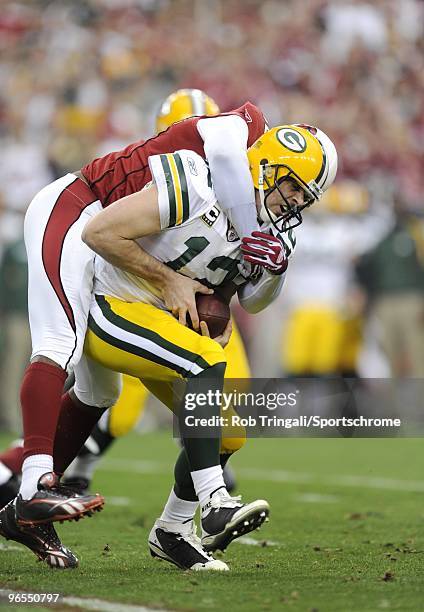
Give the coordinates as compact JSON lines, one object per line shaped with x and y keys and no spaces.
{"x":60,"y":275}
{"x":177,"y":220}
{"x":125,"y":414}
{"x":290,"y":167}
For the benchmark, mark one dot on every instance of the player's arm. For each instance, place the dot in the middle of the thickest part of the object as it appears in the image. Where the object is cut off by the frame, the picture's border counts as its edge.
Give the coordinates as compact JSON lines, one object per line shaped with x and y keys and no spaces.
{"x":255,"y":296}
{"x":265,"y":252}
{"x":270,"y":253}
{"x":112,"y":234}
{"x":225,"y":144}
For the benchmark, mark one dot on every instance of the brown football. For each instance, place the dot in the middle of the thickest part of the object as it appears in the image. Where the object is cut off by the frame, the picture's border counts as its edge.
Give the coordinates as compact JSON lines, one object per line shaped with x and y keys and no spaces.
{"x":214,"y":310}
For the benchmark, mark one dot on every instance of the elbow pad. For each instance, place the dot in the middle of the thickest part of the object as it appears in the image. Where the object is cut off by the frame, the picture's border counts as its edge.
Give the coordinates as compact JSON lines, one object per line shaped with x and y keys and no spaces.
{"x":254,"y":297}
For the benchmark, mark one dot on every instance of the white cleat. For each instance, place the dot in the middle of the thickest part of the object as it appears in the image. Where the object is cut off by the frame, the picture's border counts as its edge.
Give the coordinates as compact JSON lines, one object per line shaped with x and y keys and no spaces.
{"x":179,"y":544}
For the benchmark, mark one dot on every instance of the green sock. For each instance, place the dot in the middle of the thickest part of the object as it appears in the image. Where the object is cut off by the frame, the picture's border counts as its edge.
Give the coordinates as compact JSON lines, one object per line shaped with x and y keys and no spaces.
{"x":203,"y":452}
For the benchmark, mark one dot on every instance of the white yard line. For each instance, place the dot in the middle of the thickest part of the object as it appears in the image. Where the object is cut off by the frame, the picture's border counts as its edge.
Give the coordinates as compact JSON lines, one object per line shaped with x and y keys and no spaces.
{"x":87,"y":604}
{"x":155,"y":467}
{"x":345,"y":480}
{"x":139,"y":467}
{"x":367,"y":482}
{"x":316,"y":498}
{"x":105,"y":606}
{"x":376,"y":482}
{"x":252,"y":542}
{"x":8,"y":547}
{"x":118,"y":501}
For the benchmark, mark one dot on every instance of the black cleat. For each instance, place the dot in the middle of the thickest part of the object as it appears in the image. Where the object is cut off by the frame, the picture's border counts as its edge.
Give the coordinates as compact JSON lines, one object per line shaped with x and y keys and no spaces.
{"x":224,"y":519}
{"x":179,"y":544}
{"x":55,"y":502}
{"x":41,"y":539}
{"x":9,"y":490}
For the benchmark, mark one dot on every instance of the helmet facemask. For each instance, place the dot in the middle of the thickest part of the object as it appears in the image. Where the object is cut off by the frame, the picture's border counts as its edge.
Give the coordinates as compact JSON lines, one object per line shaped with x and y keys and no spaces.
{"x":270,"y":179}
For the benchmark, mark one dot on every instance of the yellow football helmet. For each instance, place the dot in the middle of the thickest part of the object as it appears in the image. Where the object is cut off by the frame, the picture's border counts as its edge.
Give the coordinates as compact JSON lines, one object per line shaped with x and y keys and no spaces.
{"x":299,"y":152}
{"x":182,"y":104}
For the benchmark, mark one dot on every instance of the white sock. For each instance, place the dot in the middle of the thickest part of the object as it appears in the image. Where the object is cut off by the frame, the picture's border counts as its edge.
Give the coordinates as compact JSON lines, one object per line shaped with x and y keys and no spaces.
{"x":178,"y":510}
{"x":32,"y":469}
{"x":206,"y":481}
{"x":5,"y":474}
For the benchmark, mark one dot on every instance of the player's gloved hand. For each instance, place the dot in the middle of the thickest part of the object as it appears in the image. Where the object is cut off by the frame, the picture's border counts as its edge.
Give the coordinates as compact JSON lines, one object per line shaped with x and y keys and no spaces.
{"x":265,"y":250}
{"x":250,"y":271}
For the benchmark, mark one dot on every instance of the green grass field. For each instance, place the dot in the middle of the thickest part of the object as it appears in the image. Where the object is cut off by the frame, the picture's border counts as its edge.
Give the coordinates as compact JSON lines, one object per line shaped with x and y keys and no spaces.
{"x":345,"y":533}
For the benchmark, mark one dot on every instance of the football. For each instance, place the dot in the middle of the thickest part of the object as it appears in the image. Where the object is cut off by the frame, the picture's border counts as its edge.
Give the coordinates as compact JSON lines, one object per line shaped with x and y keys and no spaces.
{"x":215,"y":311}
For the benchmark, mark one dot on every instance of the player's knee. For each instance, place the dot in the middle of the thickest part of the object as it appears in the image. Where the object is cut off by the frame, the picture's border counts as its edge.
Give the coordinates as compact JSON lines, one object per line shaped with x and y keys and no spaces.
{"x":42,"y":359}
{"x":103,"y":396}
{"x":217,"y":370}
{"x":211,"y":356}
{"x":121,"y":428}
{"x":233,"y":433}
{"x":121,"y":423}
{"x":126,"y":412}
{"x":230,"y":445}
{"x":110,"y":394}
{"x":63,"y":354}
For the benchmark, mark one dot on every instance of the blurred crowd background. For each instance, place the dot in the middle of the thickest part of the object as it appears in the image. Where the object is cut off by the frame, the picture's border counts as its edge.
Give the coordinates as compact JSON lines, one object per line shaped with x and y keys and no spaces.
{"x":81,"y":78}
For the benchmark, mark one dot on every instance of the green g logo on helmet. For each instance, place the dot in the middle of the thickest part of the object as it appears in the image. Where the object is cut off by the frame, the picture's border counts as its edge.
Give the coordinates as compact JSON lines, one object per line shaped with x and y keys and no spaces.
{"x":291,"y":139}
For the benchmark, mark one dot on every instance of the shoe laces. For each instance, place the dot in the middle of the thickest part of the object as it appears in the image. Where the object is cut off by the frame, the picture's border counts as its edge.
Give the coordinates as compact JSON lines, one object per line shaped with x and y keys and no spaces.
{"x":188,"y":533}
{"x":78,"y":485}
{"x":222,"y":499}
{"x":193,"y":539}
{"x":61,"y":490}
{"x":49,"y":535}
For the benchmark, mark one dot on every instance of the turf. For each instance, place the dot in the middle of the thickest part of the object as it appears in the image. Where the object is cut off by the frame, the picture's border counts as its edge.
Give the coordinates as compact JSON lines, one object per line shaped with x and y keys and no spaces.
{"x":337,"y":540}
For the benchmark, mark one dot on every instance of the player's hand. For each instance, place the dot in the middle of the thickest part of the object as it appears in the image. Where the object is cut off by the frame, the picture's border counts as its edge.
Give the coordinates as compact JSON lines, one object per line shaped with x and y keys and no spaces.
{"x":223,"y":339}
{"x":179,"y":295}
{"x":265,"y":250}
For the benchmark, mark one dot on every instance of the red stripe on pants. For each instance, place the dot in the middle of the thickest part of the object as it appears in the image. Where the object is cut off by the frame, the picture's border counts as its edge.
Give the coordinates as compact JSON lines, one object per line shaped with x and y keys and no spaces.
{"x":66,"y":211}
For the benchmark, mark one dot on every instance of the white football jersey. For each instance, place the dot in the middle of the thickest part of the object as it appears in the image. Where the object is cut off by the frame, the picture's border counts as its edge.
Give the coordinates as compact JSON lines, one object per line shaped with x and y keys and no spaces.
{"x":196,"y":240}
